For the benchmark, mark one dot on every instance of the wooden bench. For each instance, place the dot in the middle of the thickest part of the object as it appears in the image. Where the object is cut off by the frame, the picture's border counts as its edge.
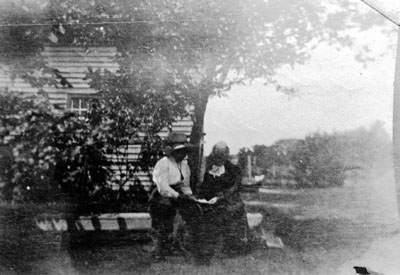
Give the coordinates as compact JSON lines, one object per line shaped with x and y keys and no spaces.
{"x":110,"y":222}
{"x":57,"y":225}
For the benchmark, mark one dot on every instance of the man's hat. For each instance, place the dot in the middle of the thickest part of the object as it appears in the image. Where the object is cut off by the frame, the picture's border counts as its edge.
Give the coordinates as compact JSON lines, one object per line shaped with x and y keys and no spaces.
{"x":176,"y":141}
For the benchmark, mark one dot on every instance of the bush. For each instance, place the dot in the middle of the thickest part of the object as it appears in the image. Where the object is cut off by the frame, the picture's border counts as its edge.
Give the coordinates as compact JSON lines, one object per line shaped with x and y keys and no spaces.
{"x":64,"y":157}
{"x":318,"y":162}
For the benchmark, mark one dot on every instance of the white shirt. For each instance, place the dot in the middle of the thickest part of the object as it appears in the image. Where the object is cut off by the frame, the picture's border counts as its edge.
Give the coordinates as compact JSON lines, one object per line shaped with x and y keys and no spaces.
{"x":217,"y":171}
{"x":167,"y":172}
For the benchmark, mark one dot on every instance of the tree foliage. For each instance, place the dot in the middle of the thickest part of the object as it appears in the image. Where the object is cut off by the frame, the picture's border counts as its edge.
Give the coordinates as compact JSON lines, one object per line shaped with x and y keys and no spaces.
{"x":192,"y":40}
{"x":187,"y":50}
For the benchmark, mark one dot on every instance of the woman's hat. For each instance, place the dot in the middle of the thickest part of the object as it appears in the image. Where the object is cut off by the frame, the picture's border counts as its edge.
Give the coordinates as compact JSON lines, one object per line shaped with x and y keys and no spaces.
{"x":221,"y":147}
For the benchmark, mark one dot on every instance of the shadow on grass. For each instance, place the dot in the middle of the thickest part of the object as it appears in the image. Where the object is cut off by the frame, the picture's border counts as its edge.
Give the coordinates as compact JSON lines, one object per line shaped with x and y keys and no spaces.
{"x":21,"y":241}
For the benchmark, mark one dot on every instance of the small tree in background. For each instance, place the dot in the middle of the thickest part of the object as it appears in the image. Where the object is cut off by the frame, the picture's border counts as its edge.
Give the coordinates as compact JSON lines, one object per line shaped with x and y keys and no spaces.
{"x":322,"y":160}
{"x":319,"y":162}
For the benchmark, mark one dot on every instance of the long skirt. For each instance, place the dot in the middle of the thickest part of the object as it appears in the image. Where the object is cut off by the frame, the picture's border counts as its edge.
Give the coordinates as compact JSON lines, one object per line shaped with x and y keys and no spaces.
{"x":222,"y":226}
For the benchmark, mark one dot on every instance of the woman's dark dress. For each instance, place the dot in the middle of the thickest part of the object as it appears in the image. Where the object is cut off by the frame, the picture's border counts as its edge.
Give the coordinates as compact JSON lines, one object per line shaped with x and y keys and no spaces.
{"x":225,"y":219}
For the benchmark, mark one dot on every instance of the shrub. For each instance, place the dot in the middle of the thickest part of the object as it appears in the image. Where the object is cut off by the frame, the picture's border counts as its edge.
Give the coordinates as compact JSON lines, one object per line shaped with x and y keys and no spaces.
{"x":65,"y":157}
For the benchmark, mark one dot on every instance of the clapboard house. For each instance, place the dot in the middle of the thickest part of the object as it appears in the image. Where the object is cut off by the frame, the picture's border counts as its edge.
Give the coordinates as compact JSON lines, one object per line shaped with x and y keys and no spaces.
{"x":73,"y":93}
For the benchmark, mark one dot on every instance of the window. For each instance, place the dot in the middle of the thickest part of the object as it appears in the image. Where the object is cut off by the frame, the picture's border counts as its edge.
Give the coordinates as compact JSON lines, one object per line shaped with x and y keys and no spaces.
{"x":80,"y":104}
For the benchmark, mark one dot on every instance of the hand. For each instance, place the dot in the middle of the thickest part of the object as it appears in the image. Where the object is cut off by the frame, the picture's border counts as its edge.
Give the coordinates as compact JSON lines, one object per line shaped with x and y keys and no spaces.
{"x":202,"y":201}
{"x":213,"y":200}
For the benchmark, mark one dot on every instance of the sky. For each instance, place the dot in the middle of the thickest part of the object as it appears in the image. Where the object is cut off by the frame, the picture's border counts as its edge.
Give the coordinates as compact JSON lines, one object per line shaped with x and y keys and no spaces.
{"x":334,"y":93}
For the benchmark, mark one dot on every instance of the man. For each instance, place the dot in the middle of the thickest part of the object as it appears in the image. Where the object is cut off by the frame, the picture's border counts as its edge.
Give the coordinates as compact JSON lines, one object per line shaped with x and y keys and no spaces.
{"x":171,"y":175}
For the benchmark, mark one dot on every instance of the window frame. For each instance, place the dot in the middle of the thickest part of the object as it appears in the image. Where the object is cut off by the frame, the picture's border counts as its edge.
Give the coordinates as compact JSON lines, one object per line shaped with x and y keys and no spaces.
{"x":80,"y":111}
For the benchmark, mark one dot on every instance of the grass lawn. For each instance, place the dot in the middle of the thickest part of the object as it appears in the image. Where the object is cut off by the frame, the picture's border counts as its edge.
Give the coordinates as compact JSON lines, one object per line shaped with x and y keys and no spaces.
{"x":329,"y":228}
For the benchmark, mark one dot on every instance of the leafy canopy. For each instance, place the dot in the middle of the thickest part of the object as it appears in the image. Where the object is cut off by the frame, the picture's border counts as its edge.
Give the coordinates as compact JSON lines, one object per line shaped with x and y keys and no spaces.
{"x":191,"y":43}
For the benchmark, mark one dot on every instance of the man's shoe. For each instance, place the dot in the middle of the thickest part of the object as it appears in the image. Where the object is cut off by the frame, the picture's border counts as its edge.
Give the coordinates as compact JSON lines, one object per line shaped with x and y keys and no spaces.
{"x":158,"y":258}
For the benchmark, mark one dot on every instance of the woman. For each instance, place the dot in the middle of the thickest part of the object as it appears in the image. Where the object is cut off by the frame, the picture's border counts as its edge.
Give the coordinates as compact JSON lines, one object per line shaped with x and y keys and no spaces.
{"x":225,"y":218}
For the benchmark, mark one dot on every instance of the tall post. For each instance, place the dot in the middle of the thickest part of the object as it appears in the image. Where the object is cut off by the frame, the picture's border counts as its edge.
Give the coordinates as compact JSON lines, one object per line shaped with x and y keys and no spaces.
{"x":396,"y":123}
{"x":249,"y":165}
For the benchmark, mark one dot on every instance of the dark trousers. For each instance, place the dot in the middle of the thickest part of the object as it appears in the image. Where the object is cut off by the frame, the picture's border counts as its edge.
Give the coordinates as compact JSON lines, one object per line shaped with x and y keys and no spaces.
{"x":162,"y":218}
{"x":163,"y":212}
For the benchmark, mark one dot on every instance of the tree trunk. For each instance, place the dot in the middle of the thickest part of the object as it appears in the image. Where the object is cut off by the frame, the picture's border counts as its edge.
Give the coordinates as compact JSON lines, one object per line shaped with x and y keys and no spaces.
{"x":196,"y":138}
{"x":396,"y":123}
